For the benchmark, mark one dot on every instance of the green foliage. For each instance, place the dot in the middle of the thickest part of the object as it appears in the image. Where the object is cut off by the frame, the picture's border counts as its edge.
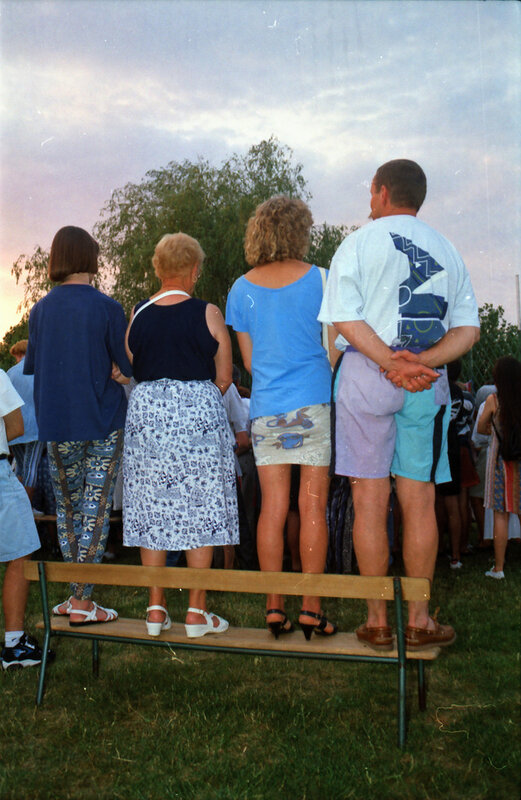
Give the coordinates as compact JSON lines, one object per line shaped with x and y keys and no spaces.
{"x":212,"y":204}
{"x":325,"y":240}
{"x":13,"y":335}
{"x":32,"y":272}
{"x":498,"y":338}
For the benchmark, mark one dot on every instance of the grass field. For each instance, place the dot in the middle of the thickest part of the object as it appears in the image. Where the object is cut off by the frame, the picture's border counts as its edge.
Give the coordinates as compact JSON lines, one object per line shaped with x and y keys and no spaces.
{"x":165,"y":724}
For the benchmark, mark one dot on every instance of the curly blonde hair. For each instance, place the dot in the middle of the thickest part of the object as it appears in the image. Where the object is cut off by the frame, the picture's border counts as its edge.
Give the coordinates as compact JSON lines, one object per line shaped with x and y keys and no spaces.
{"x":176,"y":254}
{"x":278,"y":229}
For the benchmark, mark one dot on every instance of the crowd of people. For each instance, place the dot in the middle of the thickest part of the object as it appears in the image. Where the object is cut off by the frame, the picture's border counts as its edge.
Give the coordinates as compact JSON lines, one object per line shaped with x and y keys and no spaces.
{"x":349,"y":378}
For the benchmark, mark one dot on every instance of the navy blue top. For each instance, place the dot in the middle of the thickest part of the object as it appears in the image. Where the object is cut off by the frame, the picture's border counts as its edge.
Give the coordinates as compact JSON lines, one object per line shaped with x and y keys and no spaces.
{"x":75,"y":333}
{"x":172,"y":342}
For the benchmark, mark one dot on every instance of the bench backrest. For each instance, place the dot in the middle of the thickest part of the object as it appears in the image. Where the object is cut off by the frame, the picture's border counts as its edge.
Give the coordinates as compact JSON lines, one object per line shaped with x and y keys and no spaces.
{"x":221,"y":580}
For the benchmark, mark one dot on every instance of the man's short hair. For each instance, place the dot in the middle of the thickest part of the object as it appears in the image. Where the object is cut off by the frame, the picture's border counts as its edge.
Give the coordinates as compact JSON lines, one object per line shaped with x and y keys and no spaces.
{"x":72,"y":250}
{"x":405,"y":181}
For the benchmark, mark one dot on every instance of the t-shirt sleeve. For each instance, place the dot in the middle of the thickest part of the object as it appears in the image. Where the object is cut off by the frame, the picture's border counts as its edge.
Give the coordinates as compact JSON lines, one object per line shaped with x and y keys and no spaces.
{"x":236,"y":308}
{"x":464,"y":309}
{"x":342,"y":301}
{"x":10,"y":400}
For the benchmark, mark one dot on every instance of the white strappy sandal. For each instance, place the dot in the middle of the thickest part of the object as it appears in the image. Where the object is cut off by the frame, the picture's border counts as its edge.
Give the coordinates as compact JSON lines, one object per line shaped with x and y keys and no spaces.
{"x":192,"y":631}
{"x":155,"y":628}
{"x":68,"y":608}
{"x":91,"y":616}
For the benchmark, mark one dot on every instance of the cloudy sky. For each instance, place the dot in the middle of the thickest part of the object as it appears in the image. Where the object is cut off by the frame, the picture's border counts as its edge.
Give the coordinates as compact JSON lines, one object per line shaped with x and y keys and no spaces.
{"x":97,"y":92}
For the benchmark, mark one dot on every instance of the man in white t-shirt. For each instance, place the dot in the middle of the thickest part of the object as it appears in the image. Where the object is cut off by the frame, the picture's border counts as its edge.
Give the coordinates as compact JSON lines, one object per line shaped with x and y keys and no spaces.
{"x":401,"y":298}
{"x":18,"y":538}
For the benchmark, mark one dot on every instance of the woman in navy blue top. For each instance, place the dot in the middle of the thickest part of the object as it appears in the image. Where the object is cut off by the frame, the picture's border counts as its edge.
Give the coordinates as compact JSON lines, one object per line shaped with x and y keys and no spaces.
{"x":77,"y":355}
{"x":179,"y":475}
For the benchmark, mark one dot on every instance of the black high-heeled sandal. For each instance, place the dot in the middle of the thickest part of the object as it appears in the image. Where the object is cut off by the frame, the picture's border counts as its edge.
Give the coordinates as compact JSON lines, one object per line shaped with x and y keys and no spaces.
{"x":278,"y":627}
{"x":319,"y":629}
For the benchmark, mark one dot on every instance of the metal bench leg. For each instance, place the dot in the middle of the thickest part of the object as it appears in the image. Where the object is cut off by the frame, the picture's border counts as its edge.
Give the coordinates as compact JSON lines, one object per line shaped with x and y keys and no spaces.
{"x":400,"y":641}
{"x":95,"y":657}
{"x":43,"y":667}
{"x":422,"y":694}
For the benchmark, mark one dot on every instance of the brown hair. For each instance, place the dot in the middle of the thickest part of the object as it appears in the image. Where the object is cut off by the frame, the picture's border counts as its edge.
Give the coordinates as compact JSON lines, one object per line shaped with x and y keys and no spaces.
{"x":405,"y":181}
{"x":507,"y":377}
{"x":176,"y":254}
{"x":72,"y":250}
{"x":278,"y":229}
{"x":19,"y":348}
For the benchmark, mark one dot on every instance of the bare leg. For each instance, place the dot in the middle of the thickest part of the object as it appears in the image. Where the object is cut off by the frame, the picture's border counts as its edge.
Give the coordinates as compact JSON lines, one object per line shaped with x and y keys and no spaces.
{"x":293,"y":532}
{"x":454,"y":519}
{"x":371,"y":504}
{"x":200,"y":558}
{"x":314,"y":485}
{"x":464,"y":513}
{"x":275,"y":484}
{"x":420,"y":540}
{"x":500,"y":539}
{"x":229,"y":556}
{"x":156,"y":594}
{"x":14,"y":595}
{"x":479,"y":515}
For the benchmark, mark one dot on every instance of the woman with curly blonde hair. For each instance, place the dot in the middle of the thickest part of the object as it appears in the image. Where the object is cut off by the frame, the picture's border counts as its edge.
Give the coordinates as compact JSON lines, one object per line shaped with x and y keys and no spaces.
{"x":274,"y":308}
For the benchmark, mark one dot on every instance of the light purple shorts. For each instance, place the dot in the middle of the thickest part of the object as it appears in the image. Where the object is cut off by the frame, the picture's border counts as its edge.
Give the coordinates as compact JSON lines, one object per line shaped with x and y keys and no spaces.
{"x":365,"y":428}
{"x":381,"y":429}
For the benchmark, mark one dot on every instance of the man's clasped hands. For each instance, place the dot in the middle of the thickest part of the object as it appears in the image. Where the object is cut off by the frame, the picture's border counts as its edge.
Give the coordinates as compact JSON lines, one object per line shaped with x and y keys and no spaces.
{"x":409,"y":373}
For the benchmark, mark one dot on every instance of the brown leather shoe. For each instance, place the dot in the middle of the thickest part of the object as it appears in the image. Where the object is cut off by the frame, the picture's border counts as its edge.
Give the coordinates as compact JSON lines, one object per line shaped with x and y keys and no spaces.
{"x":377,"y":638}
{"x":422,"y":638}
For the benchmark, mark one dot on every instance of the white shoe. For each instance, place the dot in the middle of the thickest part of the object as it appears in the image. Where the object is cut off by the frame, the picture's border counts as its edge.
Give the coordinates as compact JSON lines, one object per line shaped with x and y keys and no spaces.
{"x":155,"y":628}
{"x":192,"y":631}
{"x":456,"y":564}
{"x":499,"y":575}
{"x":91,"y":616}
{"x":68,"y":608}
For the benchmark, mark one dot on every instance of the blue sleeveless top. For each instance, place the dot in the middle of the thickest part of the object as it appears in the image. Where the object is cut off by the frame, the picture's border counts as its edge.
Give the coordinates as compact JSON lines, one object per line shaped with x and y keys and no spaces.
{"x":172,"y":342}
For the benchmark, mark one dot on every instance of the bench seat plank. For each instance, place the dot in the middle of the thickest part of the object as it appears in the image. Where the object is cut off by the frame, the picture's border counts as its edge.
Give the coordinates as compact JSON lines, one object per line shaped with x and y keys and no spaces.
{"x":248,"y":638}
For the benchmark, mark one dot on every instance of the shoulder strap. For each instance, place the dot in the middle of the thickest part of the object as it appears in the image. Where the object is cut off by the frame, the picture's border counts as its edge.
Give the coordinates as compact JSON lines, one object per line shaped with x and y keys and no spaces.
{"x":159,"y":297}
{"x":325,"y":339}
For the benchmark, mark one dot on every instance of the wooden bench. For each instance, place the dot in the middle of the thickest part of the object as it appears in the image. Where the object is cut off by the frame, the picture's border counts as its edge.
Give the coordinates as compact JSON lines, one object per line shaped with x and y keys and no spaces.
{"x":252,"y":641}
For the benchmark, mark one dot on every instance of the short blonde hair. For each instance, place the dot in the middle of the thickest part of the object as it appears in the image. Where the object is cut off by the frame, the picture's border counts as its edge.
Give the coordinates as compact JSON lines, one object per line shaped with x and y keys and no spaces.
{"x":278,"y":229}
{"x":176,"y":254}
{"x":19,"y":348}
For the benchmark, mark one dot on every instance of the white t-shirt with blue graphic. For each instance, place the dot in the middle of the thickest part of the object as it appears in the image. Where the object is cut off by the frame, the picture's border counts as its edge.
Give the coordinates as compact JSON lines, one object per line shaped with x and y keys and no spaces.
{"x":403,"y":278}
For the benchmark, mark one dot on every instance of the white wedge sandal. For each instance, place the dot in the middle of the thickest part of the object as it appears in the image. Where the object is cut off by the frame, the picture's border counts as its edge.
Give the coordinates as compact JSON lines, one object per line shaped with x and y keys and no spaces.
{"x":155,"y":628}
{"x":193,"y":631}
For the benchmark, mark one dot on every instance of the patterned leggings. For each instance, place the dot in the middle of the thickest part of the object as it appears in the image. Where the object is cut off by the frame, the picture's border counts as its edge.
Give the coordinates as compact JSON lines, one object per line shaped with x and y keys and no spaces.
{"x":83,"y":476}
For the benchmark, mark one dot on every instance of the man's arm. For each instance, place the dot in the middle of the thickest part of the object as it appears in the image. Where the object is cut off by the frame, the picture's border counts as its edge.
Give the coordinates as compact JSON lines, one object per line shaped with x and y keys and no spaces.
{"x":455,"y":343}
{"x":14,"y":424}
{"x":412,"y":374}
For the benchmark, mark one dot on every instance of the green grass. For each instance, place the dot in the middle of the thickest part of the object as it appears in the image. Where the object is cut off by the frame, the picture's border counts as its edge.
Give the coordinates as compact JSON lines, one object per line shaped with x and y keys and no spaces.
{"x":164,"y":724}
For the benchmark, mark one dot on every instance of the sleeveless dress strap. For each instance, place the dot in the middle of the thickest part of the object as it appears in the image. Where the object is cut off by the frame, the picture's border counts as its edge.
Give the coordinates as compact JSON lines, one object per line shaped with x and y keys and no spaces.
{"x":159,"y":297}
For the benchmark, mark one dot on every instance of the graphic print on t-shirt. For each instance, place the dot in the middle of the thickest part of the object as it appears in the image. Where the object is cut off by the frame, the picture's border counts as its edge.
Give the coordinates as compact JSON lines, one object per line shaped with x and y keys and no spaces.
{"x":420,"y":313}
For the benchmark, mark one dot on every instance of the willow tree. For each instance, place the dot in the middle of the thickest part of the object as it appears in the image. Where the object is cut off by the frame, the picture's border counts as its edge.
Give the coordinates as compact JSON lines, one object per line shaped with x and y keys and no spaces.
{"x":210,"y":203}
